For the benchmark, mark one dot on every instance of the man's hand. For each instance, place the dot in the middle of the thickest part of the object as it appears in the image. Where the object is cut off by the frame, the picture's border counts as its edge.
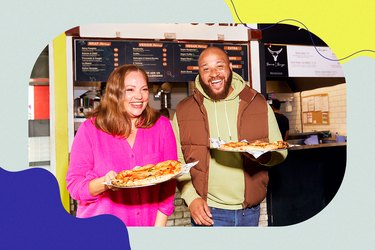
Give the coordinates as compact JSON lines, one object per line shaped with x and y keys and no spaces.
{"x":200,"y":212}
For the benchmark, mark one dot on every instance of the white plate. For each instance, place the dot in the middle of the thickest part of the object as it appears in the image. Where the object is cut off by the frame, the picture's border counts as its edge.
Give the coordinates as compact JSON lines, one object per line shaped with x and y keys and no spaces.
{"x":250,"y":151}
{"x":255,"y":153}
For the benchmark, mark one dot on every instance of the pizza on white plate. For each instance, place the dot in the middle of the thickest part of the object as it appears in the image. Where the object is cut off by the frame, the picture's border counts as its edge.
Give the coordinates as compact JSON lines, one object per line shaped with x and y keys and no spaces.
{"x":257,"y":145}
{"x":146,"y":175}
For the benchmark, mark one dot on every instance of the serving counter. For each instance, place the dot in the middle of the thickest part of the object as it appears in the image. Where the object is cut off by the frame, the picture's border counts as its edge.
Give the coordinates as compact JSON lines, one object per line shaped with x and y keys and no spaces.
{"x":305,"y":182}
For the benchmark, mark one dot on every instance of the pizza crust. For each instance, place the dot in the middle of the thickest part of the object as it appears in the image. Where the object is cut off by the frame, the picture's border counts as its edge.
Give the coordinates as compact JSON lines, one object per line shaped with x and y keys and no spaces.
{"x":253,"y":146}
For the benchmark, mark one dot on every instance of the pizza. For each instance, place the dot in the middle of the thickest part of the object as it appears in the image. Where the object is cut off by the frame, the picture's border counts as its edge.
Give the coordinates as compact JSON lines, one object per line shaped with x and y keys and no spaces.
{"x":253,"y":146}
{"x":146,"y":175}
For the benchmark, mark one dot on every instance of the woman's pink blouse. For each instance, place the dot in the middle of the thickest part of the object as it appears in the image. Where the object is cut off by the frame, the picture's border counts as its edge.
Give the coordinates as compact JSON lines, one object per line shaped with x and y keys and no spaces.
{"x":95,"y":152}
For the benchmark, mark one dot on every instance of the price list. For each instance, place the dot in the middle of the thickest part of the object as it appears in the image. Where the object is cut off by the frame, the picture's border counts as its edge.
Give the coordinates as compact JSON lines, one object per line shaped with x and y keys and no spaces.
{"x":162,"y":61}
{"x":238,"y":57}
{"x":186,"y":60}
{"x":95,"y":60}
{"x":154,"y":57}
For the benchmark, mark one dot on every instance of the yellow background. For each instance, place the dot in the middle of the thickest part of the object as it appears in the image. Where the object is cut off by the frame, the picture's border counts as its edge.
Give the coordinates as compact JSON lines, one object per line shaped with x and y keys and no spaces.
{"x":345,"y":26}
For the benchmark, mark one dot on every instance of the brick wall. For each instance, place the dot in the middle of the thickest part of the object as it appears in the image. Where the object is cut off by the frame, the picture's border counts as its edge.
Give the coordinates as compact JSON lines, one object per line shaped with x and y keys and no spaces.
{"x":181,"y":215}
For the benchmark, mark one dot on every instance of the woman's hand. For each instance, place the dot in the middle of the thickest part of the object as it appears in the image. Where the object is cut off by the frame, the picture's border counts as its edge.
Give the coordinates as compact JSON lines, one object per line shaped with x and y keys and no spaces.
{"x":108,"y":177}
{"x":97,"y":186}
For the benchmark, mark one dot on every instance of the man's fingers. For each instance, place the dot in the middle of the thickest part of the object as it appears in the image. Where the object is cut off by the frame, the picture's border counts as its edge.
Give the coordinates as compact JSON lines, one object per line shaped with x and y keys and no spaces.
{"x":203,"y":220}
{"x":207,"y":210}
{"x":200,"y":212}
{"x":206,"y":215}
{"x":207,"y":220}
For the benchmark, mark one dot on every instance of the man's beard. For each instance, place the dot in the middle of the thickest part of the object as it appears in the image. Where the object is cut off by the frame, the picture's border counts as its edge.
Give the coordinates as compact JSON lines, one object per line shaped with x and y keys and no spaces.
{"x":217,"y":96}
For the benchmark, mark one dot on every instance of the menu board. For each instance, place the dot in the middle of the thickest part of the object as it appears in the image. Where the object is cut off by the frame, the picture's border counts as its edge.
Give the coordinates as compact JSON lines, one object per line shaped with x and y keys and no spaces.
{"x":186,"y":60}
{"x":95,"y":60}
{"x":238,"y":57}
{"x":154,"y":57}
{"x":300,"y":61}
{"x":309,"y":61}
{"x":187,"y":54}
{"x":163,"y":61}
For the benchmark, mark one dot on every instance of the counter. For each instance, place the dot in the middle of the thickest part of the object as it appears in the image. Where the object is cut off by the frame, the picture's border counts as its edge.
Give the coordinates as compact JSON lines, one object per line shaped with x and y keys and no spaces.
{"x":322,"y":145}
{"x":303,"y":135}
{"x":305,"y":182}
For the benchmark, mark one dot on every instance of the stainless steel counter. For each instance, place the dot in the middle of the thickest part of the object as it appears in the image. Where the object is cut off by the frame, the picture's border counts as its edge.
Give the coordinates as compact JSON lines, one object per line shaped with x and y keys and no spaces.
{"x":322,"y":145}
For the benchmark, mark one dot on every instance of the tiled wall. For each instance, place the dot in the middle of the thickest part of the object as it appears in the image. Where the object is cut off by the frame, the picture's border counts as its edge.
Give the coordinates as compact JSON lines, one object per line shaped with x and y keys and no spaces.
{"x":337,"y":110}
{"x":39,"y":151}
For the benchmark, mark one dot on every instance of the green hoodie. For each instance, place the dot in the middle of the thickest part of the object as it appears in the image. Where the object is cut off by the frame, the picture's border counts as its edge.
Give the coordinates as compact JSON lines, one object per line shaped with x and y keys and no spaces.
{"x":224,"y":166}
{"x":226,"y":178}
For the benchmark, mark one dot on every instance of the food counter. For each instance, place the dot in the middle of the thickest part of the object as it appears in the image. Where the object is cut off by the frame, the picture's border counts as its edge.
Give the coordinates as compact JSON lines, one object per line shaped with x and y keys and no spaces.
{"x":305,"y":182}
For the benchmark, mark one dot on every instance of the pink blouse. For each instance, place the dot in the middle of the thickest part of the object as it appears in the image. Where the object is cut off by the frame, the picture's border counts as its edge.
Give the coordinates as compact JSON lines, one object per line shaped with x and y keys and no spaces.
{"x":95,"y":152}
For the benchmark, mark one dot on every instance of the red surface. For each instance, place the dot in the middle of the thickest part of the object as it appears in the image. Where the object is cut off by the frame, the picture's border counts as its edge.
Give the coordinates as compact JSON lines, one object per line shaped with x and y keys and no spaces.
{"x":41,"y":102}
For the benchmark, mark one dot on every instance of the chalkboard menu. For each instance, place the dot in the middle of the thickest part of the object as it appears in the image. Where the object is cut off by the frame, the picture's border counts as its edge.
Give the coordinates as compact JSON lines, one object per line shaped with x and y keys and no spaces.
{"x":95,"y":60}
{"x":163,"y":61}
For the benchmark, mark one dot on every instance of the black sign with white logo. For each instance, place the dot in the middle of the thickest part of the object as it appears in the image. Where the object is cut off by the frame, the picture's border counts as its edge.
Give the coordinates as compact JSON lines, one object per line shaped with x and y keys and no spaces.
{"x":276,"y":61}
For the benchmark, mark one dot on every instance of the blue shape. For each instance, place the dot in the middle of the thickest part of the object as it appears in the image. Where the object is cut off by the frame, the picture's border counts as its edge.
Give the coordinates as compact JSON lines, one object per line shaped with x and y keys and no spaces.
{"x":32,"y":217}
{"x":312,"y":140}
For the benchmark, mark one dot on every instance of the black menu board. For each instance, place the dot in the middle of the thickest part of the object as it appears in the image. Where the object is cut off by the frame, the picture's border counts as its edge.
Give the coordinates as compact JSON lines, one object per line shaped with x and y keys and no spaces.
{"x":95,"y":60}
{"x":238,"y":57}
{"x":186,"y":60}
{"x":187,"y":54}
{"x":154,"y":57}
{"x":163,"y":61}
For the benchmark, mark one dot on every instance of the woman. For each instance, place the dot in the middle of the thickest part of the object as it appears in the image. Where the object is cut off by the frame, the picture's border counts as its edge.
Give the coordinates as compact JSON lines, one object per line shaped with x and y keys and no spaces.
{"x":121,"y":133}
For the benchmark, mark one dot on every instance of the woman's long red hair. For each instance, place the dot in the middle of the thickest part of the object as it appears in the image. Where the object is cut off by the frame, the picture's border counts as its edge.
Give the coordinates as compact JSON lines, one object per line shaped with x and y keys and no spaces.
{"x":110,"y":115}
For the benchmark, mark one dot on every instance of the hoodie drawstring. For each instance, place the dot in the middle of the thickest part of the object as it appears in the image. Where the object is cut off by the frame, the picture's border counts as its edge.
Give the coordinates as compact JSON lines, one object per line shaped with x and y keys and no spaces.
{"x":217,"y":124}
{"x":227,"y":120}
{"x":226,"y":116}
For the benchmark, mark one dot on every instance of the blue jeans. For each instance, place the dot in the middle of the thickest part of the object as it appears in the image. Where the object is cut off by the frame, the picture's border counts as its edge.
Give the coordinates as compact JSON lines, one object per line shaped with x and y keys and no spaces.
{"x":239,"y":218}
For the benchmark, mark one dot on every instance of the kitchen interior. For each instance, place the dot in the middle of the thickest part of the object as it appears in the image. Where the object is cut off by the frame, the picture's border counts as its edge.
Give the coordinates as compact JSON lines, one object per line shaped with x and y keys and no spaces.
{"x":315,"y":105}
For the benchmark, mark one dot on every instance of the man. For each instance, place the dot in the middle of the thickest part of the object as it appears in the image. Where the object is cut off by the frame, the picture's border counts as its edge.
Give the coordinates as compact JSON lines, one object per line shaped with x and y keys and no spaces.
{"x":224,"y":188}
{"x":282,"y":120}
